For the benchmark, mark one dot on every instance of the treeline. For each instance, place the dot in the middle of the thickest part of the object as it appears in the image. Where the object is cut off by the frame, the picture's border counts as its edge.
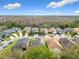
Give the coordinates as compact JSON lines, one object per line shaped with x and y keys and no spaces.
{"x":11,"y":24}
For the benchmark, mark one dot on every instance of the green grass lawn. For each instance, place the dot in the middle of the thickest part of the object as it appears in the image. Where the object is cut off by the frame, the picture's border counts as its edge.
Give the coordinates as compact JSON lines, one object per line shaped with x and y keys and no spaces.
{"x":6,"y":38}
{"x":7,"y":50}
{"x":1,"y":44}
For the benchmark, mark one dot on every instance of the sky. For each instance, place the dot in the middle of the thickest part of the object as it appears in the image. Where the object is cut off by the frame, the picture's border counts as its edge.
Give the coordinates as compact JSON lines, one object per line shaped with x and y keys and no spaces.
{"x":39,"y":7}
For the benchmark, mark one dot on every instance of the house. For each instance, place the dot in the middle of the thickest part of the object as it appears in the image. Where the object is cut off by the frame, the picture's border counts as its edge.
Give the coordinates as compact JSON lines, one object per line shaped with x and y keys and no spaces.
{"x":5,"y":33}
{"x":56,"y":37}
{"x":52,"y":43}
{"x":38,"y":41}
{"x":75,"y":29}
{"x":9,"y":31}
{"x":76,"y":39}
{"x":15,"y":29}
{"x":59,"y":30}
{"x":46,"y":37}
{"x":44,"y":30}
{"x":22,"y":44}
{"x":35,"y":29}
{"x":52,"y":29}
{"x":27,"y":29}
{"x":67,"y":30}
{"x":66,"y":43}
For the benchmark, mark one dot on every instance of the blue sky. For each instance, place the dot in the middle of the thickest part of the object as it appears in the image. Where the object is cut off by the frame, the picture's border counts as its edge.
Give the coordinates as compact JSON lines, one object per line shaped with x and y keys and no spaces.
{"x":39,"y":7}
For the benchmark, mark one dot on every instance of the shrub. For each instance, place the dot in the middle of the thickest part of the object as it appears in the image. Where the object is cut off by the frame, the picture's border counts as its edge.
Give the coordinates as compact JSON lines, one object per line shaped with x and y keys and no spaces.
{"x":71,"y":53}
{"x":41,"y":52}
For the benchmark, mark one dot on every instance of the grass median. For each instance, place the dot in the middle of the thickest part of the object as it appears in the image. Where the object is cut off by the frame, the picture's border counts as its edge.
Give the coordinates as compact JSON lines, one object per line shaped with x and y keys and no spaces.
{"x":7,"y":50}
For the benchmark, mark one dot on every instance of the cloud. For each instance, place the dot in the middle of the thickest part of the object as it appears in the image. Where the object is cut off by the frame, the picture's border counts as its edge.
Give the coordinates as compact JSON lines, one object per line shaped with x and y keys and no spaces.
{"x":40,"y":11}
{"x":60,"y":3}
{"x":58,"y":13}
{"x":77,"y":12}
{"x":12,"y":6}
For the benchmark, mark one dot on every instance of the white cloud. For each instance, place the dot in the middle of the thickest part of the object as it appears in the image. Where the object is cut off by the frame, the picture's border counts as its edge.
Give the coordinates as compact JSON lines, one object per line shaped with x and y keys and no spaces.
{"x":58,"y":13}
{"x":77,"y":12}
{"x":60,"y":3}
{"x":12,"y":6}
{"x":40,"y":11}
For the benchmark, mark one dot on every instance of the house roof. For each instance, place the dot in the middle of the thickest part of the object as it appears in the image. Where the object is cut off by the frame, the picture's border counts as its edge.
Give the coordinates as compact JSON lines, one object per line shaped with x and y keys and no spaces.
{"x":21,"y":42}
{"x":67,"y":29}
{"x":76,"y":39}
{"x":51,"y":29}
{"x":37,"y":41}
{"x":8,"y":31}
{"x":35,"y":29}
{"x":53,"y":43}
{"x":75,"y":29}
{"x":27,"y":28}
{"x":59,"y":30}
{"x":43,"y":29}
{"x":67,"y":42}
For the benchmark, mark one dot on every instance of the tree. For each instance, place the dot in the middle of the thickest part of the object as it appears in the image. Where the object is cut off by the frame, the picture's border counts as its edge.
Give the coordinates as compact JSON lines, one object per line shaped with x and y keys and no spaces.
{"x":41,"y":52}
{"x":73,"y":33}
{"x":46,"y":25}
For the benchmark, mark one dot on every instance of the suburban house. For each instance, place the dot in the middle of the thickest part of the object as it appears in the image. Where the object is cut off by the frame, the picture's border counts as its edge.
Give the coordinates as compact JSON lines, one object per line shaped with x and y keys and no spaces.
{"x":54,"y":44}
{"x":66,"y":43}
{"x":27,"y":29}
{"x":9,"y":31}
{"x":76,"y":30}
{"x":15,"y":29}
{"x":46,"y":37}
{"x":22,"y":44}
{"x":76,"y":39}
{"x":52,"y":29}
{"x":68,"y":30}
{"x":35,"y":29}
{"x":59,"y":30}
{"x":38,"y":41}
{"x":45,"y":30}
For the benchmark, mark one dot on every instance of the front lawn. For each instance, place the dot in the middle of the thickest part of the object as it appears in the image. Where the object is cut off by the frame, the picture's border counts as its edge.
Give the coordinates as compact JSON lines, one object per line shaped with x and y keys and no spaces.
{"x":7,"y":50}
{"x":6,"y":38}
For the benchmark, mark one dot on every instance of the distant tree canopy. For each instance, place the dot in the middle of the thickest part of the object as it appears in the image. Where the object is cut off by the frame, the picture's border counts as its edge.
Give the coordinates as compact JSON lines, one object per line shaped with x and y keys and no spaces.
{"x":64,"y":26}
{"x":71,"y":24}
{"x":45,"y":25}
{"x":11,"y":24}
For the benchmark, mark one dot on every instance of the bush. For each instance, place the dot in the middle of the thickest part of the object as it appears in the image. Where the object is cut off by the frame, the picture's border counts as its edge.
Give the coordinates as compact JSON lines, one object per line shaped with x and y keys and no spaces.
{"x":13,"y":55}
{"x":41,"y":52}
{"x":71,"y":53}
{"x":41,"y":33}
{"x":73,"y":33}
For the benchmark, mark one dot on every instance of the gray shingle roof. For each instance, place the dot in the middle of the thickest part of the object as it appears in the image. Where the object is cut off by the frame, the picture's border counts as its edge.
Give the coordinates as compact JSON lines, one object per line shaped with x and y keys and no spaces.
{"x":59,"y":30}
{"x":76,"y":39}
{"x":67,"y":29}
{"x":9,"y":31}
{"x":37,"y":41}
{"x":66,"y":42}
{"x":22,"y":43}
